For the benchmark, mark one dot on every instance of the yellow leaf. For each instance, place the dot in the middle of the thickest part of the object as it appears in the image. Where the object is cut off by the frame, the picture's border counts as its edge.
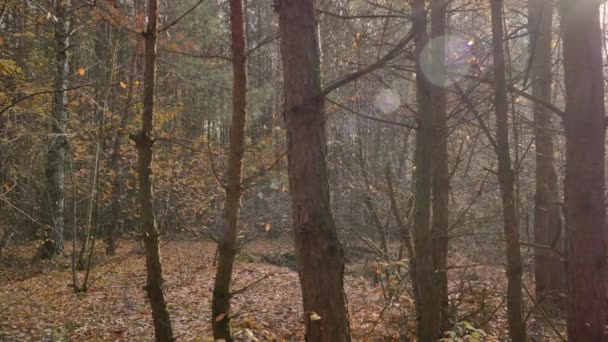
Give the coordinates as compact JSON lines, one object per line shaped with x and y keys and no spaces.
{"x":220,"y":317}
{"x":136,"y":82}
{"x":249,"y":333}
{"x":122,"y":84}
{"x":81,"y":71}
{"x":314,"y":317}
{"x":267,"y":227}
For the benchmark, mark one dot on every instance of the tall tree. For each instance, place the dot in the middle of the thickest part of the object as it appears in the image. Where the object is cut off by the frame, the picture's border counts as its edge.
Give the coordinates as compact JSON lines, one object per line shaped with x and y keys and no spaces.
{"x":227,"y":245}
{"x":585,"y":122}
{"x":429,"y":313}
{"x":149,"y":228}
{"x":441,"y":172}
{"x":318,"y":251}
{"x":58,"y":149}
{"x":506,"y":180}
{"x":549,"y":269}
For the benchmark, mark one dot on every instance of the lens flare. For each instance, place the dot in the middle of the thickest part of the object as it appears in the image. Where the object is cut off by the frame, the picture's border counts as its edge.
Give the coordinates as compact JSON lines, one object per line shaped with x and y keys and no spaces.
{"x":458,"y":54}
{"x":387,"y":101}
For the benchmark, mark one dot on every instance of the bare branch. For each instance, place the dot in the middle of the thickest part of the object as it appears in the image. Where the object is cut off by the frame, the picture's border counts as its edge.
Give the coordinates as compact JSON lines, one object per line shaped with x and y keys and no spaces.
{"x":174,"y":22}
{"x":394,"y":52}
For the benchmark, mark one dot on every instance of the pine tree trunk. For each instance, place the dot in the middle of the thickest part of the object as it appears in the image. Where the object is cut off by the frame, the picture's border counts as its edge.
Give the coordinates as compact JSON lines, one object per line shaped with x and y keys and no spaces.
{"x":58,"y":150}
{"x":585,"y":122}
{"x":227,"y":246}
{"x":149,"y":229}
{"x":506,"y":180}
{"x":319,"y":253}
{"x":549,"y":270}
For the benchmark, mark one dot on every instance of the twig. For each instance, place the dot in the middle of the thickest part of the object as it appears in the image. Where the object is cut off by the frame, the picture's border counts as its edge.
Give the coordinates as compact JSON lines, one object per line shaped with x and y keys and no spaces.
{"x":545,"y":316}
{"x":215,"y":174}
{"x":174,"y":22}
{"x":264,"y":171}
{"x":352,"y":111}
{"x":234,"y":293}
{"x":261,"y":43}
{"x":394,"y":52}
{"x":15,"y":102}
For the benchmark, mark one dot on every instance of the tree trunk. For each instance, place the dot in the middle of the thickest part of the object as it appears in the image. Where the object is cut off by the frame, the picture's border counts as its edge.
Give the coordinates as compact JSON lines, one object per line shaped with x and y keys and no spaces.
{"x":429,"y":315}
{"x":58,"y":149}
{"x":319,"y":253}
{"x":549,"y":269}
{"x":227,"y":246}
{"x":506,"y":180}
{"x":441,"y":173}
{"x":144,"y":142}
{"x":585,"y":123}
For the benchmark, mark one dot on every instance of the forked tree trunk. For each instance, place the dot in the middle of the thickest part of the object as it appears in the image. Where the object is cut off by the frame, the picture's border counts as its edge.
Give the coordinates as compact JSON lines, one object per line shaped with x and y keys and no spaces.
{"x":506,"y":180}
{"x":149,"y":229}
{"x":58,"y":149}
{"x":549,"y":270}
{"x":441,"y":172}
{"x":585,"y":122}
{"x":429,"y":313}
{"x":227,"y":245}
{"x":319,"y":253}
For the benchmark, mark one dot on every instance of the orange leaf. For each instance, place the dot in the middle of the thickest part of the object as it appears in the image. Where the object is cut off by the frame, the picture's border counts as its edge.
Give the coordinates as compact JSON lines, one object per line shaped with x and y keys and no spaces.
{"x":267,"y":227}
{"x":220,"y":317}
{"x":122,"y":84}
{"x":81,"y":71}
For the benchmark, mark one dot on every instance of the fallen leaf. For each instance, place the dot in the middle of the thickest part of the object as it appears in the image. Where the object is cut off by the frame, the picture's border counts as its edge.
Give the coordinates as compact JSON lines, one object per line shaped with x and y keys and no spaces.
{"x":314,"y":317}
{"x":220,"y":317}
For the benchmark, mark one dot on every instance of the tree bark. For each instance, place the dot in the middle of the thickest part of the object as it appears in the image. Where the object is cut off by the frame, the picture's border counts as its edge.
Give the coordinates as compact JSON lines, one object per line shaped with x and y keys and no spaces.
{"x":441,"y":172}
{"x":429,"y":313}
{"x":227,"y":245}
{"x":144,"y":142}
{"x":319,"y":253}
{"x":549,"y":269}
{"x":585,"y":122}
{"x":58,"y":150}
{"x":506,"y":180}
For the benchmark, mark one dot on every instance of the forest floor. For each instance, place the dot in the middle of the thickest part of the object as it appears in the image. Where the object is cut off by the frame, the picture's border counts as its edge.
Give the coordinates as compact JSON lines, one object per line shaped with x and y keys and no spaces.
{"x":37,"y":301}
